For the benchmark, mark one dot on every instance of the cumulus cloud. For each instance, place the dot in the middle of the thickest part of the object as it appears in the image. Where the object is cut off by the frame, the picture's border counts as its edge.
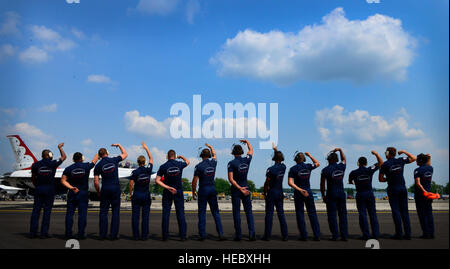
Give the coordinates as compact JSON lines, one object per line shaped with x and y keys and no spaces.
{"x":49,"y":108}
{"x":359,"y":127}
{"x":157,"y":7}
{"x":192,"y":8}
{"x":34,"y":137}
{"x":51,"y":39}
{"x":10,"y":23}
{"x":34,"y":54}
{"x":6,"y":50}
{"x":101,"y":79}
{"x":337,"y":48}
{"x":146,"y":125}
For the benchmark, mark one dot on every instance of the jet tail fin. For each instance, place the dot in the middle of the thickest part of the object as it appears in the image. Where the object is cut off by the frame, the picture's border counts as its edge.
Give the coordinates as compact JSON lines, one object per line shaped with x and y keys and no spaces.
{"x":24,"y":156}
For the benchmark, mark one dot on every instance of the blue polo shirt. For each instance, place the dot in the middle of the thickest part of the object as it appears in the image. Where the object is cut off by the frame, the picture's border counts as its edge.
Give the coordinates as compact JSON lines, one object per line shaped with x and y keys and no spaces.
{"x":425,"y":175}
{"x":362,"y":177}
{"x":78,"y":174}
{"x":206,"y":171}
{"x":239,"y":167}
{"x":393,"y":169}
{"x":334,"y":175}
{"x":172,"y":171}
{"x":141,"y":177}
{"x":45,"y":171}
{"x":301,"y":173}
{"x":276,"y":174}
{"x":108,"y":168}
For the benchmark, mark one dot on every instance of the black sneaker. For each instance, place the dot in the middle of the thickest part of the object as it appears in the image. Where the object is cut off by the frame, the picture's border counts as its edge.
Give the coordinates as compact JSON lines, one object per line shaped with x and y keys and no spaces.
{"x":144,"y":238}
{"x":222,"y":238}
{"x":165,"y":239}
{"x":265,"y":238}
{"x":317,"y":239}
{"x":365,"y":238}
{"x":301,"y":238}
{"x":45,"y":236}
{"x":81,"y":237}
{"x":237,"y":239}
{"x":396,"y":237}
{"x":285,"y":238}
{"x":202,"y":239}
{"x":252,"y":238}
{"x":344,"y":239}
{"x":407,"y":237}
{"x":333,"y":238}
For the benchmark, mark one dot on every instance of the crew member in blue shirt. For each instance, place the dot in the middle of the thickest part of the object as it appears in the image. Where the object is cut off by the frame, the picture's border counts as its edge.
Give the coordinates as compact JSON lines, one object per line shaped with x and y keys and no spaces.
{"x":43,"y":177}
{"x":141,"y":200}
{"x":76,"y":178}
{"x":173,"y":192}
{"x":204,"y":173}
{"x":108,"y":169}
{"x":422,"y":177}
{"x":365,"y":200}
{"x":335,"y":198}
{"x":237,"y":175}
{"x":273,"y":192}
{"x":298,"y":177}
{"x":392,"y":172}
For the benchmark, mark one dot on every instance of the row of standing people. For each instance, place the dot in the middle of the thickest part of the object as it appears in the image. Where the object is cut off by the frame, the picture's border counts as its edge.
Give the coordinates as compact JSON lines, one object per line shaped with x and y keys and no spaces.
{"x":169,"y":176}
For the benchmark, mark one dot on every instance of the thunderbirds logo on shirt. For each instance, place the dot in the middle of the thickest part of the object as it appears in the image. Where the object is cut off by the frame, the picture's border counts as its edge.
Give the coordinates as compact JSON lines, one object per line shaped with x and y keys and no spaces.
{"x":428,"y":175}
{"x":143,"y":178}
{"x":210,"y":171}
{"x":395,"y":169}
{"x":304,"y":173}
{"x":243,"y":168}
{"x":364,"y":178}
{"x":109,"y":168}
{"x":338,"y":174}
{"x":78,"y":173}
{"x":44,"y":171}
{"x":173,"y":171}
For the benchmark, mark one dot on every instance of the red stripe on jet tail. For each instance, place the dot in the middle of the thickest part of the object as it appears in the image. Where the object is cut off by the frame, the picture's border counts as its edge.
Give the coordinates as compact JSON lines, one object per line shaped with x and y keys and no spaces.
{"x":27,"y":150}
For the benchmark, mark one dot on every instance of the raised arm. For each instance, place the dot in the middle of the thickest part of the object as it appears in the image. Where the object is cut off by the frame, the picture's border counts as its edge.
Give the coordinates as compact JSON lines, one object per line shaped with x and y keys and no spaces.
{"x":411,"y":158}
{"x":379,"y":159}
{"x":184,"y":159}
{"x":213,"y":152}
{"x":63,"y":154}
{"x":343,"y":160}
{"x":150,"y":157}
{"x":316,"y":163}
{"x":250,"y":148}
{"x":123,"y":154}
{"x":95,"y":159}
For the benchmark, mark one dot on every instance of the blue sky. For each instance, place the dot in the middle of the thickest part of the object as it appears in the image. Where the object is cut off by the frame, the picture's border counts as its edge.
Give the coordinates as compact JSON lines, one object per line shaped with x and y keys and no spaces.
{"x":344,"y":73}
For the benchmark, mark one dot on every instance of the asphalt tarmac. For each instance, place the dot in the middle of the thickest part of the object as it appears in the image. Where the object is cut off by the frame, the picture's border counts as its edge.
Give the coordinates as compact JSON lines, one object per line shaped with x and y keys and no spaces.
{"x":14,"y":227}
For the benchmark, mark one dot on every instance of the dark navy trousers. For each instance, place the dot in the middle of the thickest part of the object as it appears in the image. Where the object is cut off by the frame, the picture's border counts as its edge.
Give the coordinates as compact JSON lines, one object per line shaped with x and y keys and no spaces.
{"x":336,"y":202}
{"x":44,"y":197}
{"x":140,"y":201}
{"x":109,"y":196}
{"x":425,"y":213}
{"x":398,"y":199}
{"x":74,"y":201}
{"x":365,"y":202}
{"x":236,"y":197}
{"x":308,"y":202}
{"x":167,"y":200}
{"x":208,"y":195}
{"x":275,"y":199}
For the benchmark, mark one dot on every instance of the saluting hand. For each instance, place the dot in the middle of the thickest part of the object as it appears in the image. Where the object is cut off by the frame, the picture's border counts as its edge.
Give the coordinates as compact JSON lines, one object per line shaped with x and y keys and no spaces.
{"x":144,"y":145}
{"x":308,"y":154}
{"x":374,"y":152}
{"x":245,"y":141}
{"x":61,"y":145}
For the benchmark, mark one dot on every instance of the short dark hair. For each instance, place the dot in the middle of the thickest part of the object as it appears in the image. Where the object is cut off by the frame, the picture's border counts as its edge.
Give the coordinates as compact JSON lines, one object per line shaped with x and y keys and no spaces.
{"x":46,"y":154}
{"x":362,"y":161}
{"x":77,"y":157}
{"x":422,"y":159}
{"x":392,"y":151}
{"x":332,"y":157}
{"x":278,"y":156}
{"x":300,"y":157}
{"x":102,"y":152}
{"x":141,"y":160}
{"x":171,"y":154}
{"x":206,"y":153}
{"x":237,"y":150}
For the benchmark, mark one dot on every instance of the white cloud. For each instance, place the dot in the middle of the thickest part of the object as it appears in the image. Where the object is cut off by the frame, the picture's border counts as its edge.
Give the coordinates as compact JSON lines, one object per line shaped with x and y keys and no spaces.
{"x":86,"y":142}
{"x":9,"y":25}
{"x":79,"y":34}
{"x":157,"y":7}
{"x":192,"y":8}
{"x":337,"y":48}
{"x":146,"y":125}
{"x":359,"y":127}
{"x":34,"y":55}
{"x":49,"y":108}
{"x":6,"y":50}
{"x":52,"y":40}
{"x":34,"y":137}
{"x":99,"y":79}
